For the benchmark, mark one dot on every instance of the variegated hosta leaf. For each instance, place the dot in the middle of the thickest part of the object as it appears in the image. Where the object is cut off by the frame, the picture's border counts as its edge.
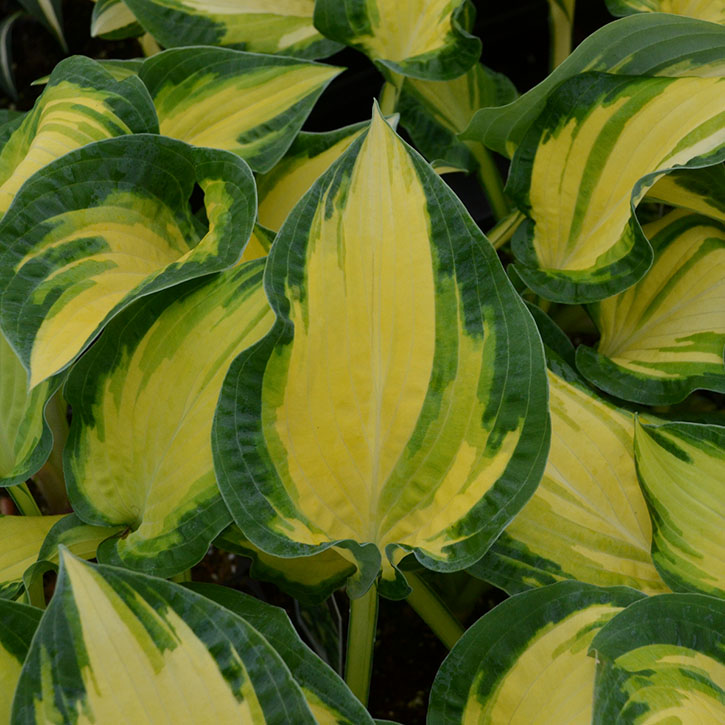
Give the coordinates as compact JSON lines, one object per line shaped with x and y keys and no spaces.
{"x":327,"y":696}
{"x":681,"y":468}
{"x":526,"y":660}
{"x":81,"y":104}
{"x":399,"y":401}
{"x":664,"y":337}
{"x":700,"y":190}
{"x":261,"y":26}
{"x":712,"y":10}
{"x":308,"y":157}
{"x":114,"y":646}
{"x":642,"y":45}
{"x":25,"y":437}
{"x":113,"y":20}
{"x":18,"y":623}
{"x":247,"y":103}
{"x":597,"y":147}
{"x":138,"y":454}
{"x":662,"y":661}
{"x":435,"y":112}
{"x":417,"y":38}
{"x":105,"y":224}
{"x":587,"y":519}
{"x":310,"y":578}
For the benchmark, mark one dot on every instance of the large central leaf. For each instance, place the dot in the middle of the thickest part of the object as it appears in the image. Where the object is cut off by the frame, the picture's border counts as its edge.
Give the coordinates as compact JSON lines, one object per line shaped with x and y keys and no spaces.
{"x":400,"y":398}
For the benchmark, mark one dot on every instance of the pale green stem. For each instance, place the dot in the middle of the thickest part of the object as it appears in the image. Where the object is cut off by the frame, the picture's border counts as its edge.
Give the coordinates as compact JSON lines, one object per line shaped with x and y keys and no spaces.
{"x":560,"y":23}
{"x":504,"y":230}
{"x":182,"y":577}
{"x":390,"y":94}
{"x":49,"y":478}
{"x":433,"y":611}
{"x":490,"y":179}
{"x":360,"y":643}
{"x":24,"y":501}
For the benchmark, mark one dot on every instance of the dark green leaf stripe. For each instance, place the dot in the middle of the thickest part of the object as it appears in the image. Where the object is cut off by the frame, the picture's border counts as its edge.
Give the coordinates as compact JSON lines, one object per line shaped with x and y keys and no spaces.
{"x":525,"y":661}
{"x":680,"y":468}
{"x":262,"y":26}
{"x":174,"y":655}
{"x":105,"y":225}
{"x":642,"y":45}
{"x":126,"y":465}
{"x":662,"y":660}
{"x":248,"y":103}
{"x":664,"y":337}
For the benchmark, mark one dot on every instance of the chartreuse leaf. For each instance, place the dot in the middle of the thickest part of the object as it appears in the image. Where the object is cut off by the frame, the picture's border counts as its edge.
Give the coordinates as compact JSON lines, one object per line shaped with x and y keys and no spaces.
{"x":310,"y":579}
{"x":700,"y":190}
{"x":526,"y":660}
{"x":18,"y":623}
{"x":399,"y":403}
{"x":680,"y":467}
{"x":82,"y":103}
{"x":642,"y":45}
{"x":174,"y":655}
{"x":601,"y":142}
{"x":662,"y":661}
{"x":129,"y":465}
{"x":664,"y":337}
{"x":587,"y":519}
{"x":712,"y":10}
{"x":247,"y":103}
{"x":435,"y":112}
{"x":308,"y":157}
{"x":261,"y":26}
{"x":418,"y":38}
{"x":113,"y":20}
{"x":108,"y":223}
{"x":329,"y":699}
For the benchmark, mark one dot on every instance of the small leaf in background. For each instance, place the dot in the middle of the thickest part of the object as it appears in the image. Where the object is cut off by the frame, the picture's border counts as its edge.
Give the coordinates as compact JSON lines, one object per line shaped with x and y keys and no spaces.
{"x":113,"y":20}
{"x":662,"y":660}
{"x":699,"y":190}
{"x":680,"y":468}
{"x":7,"y":77}
{"x":399,"y":402}
{"x":18,"y":623}
{"x":418,"y":38}
{"x":308,"y":157}
{"x":175,"y":656}
{"x":526,"y":660}
{"x":251,"y":104}
{"x":260,"y":26}
{"x":585,"y":164}
{"x":82,"y":103}
{"x":106,"y":224}
{"x":588,"y":518}
{"x":642,"y":45}
{"x":131,"y":463}
{"x":711,"y":10}
{"x":664,"y":337}
{"x":50,"y":13}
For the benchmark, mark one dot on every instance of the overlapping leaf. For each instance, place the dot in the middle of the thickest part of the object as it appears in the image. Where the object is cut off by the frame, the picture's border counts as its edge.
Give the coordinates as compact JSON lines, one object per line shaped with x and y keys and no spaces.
{"x":81,"y":104}
{"x":662,"y":660}
{"x":588,"y":518}
{"x":106,"y":224}
{"x":526,"y":660}
{"x":665,"y":336}
{"x":113,"y":20}
{"x":399,"y":402}
{"x":700,"y":190}
{"x":711,"y":10}
{"x":261,"y":26}
{"x":600,"y":143}
{"x":174,"y":655}
{"x":418,"y":38}
{"x":642,"y":45}
{"x":680,"y":467}
{"x":247,"y":103}
{"x":143,"y":399}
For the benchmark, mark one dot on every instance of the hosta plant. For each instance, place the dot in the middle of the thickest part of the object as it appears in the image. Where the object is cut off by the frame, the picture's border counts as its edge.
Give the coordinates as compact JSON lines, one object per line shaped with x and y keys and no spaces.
{"x":225,"y":332}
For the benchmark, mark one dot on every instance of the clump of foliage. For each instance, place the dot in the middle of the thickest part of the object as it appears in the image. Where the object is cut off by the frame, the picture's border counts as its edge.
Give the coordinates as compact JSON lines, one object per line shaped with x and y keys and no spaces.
{"x":220,"y":330}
